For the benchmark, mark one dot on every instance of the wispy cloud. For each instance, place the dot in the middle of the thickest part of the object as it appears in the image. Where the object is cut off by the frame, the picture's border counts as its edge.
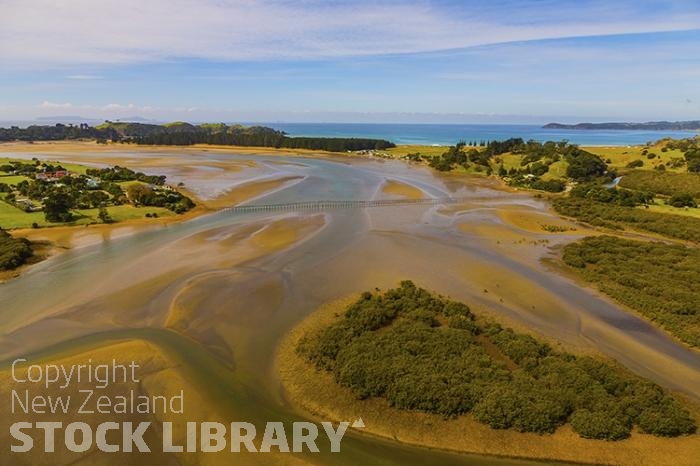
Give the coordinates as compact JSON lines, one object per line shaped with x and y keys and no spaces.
{"x":47,"y":104}
{"x":111,"y":108}
{"x":83,"y":77}
{"x":41,"y":33}
{"x":267,"y":59}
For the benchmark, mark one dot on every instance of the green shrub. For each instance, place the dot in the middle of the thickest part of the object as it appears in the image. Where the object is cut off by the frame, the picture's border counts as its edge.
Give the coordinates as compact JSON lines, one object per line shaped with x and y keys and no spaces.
{"x":659,"y":280}
{"x":392,"y":345}
{"x":600,"y":424}
{"x":13,"y":251}
{"x":666,"y":419}
{"x":682,"y":200}
{"x":616,"y":217}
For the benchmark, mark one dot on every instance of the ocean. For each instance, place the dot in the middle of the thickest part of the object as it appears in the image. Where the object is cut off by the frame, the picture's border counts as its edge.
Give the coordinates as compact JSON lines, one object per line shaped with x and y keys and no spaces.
{"x":447,"y":134}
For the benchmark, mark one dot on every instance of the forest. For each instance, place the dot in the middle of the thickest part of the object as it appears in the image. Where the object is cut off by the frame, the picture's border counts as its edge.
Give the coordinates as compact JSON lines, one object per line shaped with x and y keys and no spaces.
{"x":184,"y":134}
{"x":260,"y":136}
{"x":423,"y":352}
{"x":659,"y":280}
{"x":58,"y":132}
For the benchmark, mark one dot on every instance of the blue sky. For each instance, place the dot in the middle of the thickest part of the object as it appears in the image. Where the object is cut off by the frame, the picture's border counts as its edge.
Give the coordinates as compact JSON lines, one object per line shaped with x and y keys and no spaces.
{"x":311,"y":60}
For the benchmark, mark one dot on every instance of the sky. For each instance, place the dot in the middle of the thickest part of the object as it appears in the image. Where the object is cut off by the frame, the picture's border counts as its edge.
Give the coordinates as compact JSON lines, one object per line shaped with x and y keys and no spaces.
{"x":468,"y":61}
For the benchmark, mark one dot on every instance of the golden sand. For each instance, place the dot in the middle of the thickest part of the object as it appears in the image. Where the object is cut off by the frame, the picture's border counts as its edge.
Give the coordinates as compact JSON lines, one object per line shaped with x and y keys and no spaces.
{"x":158,"y":374}
{"x":155,"y":375}
{"x":236,"y":246}
{"x":92,"y":146}
{"x":536,"y":222}
{"x":400,"y":189}
{"x":247,"y":191}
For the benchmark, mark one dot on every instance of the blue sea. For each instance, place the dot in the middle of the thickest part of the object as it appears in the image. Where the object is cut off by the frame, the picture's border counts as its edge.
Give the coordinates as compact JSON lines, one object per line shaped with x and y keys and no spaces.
{"x":446,"y":134}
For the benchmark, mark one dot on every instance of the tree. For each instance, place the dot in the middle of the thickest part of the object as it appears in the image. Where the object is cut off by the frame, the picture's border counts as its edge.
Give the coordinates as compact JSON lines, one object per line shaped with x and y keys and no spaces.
{"x":57,"y":207}
{"x":139,"y":193}
{"x":584,"y":166}
{"x":692,"y":158}
{"x":13,"y":251}
{"x":104,"y":216}
{"x":682,"y":200}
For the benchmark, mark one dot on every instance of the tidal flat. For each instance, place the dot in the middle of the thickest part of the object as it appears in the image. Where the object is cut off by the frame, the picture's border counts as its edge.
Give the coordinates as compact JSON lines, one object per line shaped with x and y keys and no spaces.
{"x":214,"y":295}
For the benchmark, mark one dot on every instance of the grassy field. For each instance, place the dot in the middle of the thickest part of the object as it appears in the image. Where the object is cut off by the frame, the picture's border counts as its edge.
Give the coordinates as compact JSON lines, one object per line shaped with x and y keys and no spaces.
{"x":662,"y":208}
{"x":400,"y":151}
{"x":126,"y":184}
{"x":620,"y":156}
{"x":665,"y":183}
{"x":12,"y":179}
{"x":122,"y":213}
{"x":12,"y":217}
{"x":73,"y":167}
{"x":508,"y":160}
{"x":557,"y":170}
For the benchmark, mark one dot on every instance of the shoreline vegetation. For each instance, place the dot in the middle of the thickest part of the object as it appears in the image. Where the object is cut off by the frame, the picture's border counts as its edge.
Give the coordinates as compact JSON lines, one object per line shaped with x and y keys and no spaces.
{"x":316,"y":390}
{"x":656,"y":279}
{"x":653,"y":188}
{"x":36,"y":194}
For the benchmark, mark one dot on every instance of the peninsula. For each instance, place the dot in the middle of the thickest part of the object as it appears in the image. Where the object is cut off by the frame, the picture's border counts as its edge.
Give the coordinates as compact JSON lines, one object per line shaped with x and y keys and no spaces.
{"x":692,"y":125}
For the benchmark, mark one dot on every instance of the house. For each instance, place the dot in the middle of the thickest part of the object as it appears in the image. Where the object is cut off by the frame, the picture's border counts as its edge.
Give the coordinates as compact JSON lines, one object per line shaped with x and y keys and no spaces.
{"x":26,"y":205}
{"x":51,"y":176}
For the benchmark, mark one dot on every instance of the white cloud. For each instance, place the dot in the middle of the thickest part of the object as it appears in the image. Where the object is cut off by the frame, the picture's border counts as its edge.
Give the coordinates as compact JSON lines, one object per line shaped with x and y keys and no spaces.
{"x":47,"y":104}
{"x":110,"y":109}
{"x":41,"y":33}
{"x":118,"y":107}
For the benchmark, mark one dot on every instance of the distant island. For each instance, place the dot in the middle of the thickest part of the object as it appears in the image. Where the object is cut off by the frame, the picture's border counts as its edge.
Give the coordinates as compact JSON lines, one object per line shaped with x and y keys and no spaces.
{"x":693,"y":125}
{"x":180,"y":133}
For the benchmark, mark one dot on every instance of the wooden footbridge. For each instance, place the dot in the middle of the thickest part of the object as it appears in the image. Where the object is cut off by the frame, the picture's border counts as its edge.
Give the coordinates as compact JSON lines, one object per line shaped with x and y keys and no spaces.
{"x":335,"y":205}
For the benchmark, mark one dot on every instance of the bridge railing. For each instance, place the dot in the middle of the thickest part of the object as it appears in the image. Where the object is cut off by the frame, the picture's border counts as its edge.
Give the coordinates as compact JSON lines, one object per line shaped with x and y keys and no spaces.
{"x":339,"y":204}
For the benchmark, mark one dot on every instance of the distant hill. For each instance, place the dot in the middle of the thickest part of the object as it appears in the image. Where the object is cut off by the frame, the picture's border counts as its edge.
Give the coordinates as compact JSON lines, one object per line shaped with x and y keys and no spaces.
{"x":693,"y":125}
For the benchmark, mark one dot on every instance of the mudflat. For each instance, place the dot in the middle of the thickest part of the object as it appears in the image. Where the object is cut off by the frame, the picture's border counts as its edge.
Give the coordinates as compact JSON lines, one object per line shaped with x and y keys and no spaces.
{"x":218,"y":292}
